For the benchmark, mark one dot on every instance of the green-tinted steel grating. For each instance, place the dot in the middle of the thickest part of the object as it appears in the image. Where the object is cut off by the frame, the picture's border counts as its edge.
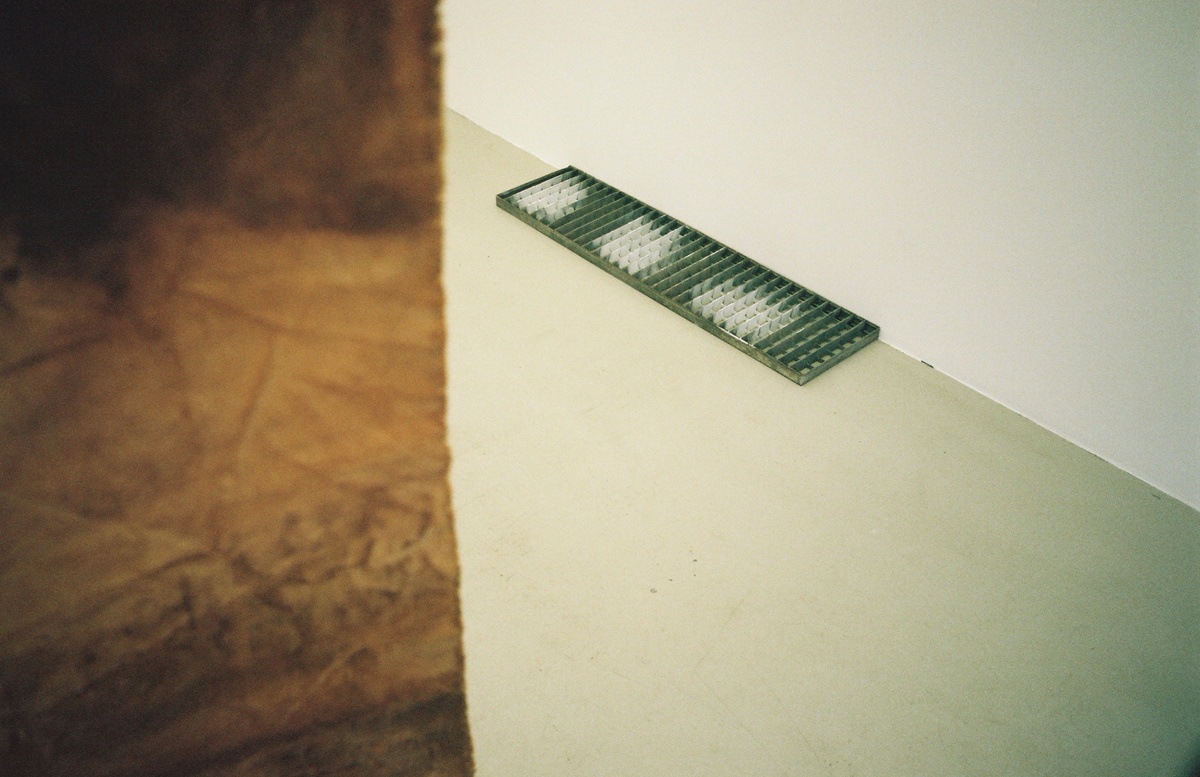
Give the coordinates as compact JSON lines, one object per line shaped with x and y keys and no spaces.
{"x":782,"y":324}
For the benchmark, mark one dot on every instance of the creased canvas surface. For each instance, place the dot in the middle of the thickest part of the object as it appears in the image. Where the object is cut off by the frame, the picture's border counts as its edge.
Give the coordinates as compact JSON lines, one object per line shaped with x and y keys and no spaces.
{"x":225,"y":533}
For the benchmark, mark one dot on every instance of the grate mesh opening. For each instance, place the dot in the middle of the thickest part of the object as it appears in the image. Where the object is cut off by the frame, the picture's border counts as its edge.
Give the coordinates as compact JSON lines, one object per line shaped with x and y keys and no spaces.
{"x":785,"y":326}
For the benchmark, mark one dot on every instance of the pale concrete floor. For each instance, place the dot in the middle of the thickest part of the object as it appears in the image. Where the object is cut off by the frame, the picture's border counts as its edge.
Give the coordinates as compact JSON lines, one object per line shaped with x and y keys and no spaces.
{"x":676,"y":562}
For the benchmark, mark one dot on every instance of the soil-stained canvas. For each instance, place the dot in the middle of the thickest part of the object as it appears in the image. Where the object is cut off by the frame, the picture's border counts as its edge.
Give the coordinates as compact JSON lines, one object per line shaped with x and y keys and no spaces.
{"x":225,"y":534}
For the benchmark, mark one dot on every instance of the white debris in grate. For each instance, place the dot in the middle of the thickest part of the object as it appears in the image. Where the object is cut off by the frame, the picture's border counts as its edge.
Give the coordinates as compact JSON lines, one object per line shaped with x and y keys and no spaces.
{"x":750,"y":311}
{"x":640,"y":243}
{"x":558,"y":202}
{"x":605,"y":244}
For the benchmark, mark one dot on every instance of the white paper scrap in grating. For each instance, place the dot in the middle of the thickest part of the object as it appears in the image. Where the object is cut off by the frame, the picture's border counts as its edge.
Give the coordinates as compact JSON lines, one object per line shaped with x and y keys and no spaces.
{"x":746,"y":311}
{"x":562,"y":201}
{"x":637,"y":244}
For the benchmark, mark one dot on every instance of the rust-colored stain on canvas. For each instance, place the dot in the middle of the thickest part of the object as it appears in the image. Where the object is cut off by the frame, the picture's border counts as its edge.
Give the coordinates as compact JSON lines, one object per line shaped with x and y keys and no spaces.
{"x":225,"y":537}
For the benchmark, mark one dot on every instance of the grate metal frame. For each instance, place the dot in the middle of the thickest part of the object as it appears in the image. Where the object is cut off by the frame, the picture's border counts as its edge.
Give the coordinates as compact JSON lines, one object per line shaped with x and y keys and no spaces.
{"x":776,"y":321}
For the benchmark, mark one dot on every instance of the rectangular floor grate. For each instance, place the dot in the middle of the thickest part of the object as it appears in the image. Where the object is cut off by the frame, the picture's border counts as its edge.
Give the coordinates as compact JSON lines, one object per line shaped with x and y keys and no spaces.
{"x":778,"y":322}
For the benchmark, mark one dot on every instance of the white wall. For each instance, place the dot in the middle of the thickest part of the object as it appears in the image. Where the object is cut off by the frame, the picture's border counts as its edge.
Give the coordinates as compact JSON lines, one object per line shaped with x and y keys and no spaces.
{"x":1010,"y":189}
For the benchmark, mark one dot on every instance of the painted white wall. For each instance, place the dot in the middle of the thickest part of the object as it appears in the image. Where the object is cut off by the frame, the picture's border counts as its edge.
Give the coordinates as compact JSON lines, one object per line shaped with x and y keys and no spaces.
{"x":1011,"y":190}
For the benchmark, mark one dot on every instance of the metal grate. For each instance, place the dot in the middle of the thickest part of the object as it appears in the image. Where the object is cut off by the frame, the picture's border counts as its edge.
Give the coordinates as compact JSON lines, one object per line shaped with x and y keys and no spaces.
{"x":782,"y":324}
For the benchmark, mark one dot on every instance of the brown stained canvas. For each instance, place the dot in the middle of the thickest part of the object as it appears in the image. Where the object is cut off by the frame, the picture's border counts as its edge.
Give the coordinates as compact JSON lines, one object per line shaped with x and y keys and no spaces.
{"x":225,"y":533}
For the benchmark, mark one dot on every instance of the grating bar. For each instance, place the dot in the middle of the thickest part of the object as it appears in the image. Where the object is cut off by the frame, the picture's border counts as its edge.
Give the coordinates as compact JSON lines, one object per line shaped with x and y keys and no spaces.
{"x":785,"y":326}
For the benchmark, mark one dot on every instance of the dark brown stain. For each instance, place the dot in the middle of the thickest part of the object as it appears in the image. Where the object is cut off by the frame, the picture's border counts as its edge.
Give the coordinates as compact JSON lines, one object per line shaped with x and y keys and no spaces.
{"x":284,"y":114}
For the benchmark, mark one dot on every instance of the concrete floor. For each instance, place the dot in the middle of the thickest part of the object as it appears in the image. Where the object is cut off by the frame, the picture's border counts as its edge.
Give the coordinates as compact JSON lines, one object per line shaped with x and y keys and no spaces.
{"x":676,"y":562}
